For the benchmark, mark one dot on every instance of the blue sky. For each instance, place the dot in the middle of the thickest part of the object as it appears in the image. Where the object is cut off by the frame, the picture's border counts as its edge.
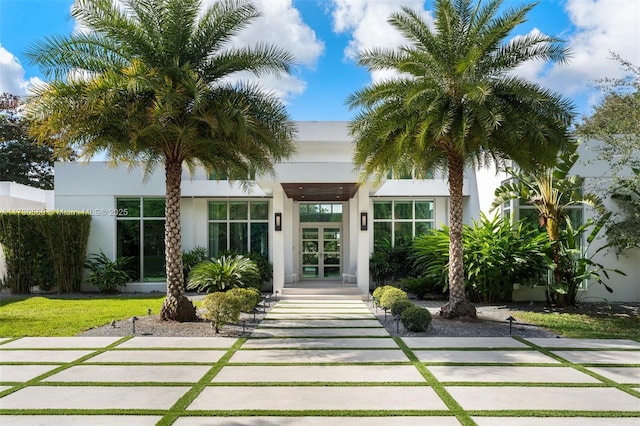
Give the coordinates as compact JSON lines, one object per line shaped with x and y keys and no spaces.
{"x":325,"y":34}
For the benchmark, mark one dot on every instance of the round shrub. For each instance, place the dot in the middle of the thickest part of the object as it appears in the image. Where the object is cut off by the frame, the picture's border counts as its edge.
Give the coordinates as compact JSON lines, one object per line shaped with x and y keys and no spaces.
{"x":416,"y":319}
{"x":392,"y":295}
{"x":399,"y":306}
{"x":249,"y":297}
{"x":378,"y":292}
{"x":221,"y":308}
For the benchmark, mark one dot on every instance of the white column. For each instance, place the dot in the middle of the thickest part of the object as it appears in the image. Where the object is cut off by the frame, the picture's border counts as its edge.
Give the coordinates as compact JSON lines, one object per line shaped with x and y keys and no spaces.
{"x":278,"y":256}
{"x":364,"y":206}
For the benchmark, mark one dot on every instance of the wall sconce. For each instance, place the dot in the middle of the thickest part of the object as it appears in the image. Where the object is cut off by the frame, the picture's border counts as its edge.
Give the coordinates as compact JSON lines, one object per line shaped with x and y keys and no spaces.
{"x":364,"y":221}
{"x":278,"y":222}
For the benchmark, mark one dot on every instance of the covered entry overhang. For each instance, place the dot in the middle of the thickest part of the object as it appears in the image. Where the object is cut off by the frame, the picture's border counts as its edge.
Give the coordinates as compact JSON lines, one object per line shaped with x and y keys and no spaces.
{"x":305,"y":191}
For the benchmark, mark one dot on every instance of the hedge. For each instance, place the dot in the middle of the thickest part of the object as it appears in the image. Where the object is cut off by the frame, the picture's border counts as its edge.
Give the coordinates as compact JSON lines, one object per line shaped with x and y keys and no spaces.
{"x":46,"y":249}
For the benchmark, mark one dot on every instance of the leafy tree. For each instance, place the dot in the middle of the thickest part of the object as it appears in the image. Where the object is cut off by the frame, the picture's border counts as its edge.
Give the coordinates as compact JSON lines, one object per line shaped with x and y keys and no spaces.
{"x":616,"y":122}
{"x":22,"y":160}
{"x":151,"y":83}
{"x":456,"y":102}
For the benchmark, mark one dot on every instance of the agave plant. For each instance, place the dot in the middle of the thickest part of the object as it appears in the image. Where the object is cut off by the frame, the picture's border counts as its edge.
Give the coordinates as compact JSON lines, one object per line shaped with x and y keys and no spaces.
{"x":223,"y":273}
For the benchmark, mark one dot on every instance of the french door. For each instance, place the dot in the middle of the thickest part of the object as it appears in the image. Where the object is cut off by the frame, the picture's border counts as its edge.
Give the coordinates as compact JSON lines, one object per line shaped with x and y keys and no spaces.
{"x":321,"y":252}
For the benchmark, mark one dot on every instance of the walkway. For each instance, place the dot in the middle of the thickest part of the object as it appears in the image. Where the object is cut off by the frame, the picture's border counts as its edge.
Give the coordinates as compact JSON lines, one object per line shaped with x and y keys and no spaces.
{"x":318,"y":363}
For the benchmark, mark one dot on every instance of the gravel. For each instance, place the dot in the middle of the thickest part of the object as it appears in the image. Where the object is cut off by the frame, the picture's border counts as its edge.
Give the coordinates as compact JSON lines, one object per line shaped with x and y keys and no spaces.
{"x":491,"y":322}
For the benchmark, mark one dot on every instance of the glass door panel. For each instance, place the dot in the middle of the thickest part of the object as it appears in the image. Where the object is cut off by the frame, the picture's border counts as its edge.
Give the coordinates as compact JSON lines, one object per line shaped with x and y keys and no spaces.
{"x":321,"y":252}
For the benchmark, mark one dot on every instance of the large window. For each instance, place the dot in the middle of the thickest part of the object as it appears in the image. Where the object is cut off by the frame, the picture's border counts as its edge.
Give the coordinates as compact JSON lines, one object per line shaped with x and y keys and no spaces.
{"x":140,"y":235}
{"x":401,"y":220}
{"x":320,"y":212}
{"x":242,"y":226}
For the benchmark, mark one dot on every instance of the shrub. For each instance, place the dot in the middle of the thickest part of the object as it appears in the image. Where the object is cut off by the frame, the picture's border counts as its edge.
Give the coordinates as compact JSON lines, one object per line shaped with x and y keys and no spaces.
{"x":221,"y":309}
{"x":422,"y":286}
{"x":392,"y":295}
{"x":416,"y":319}
{"x":399,"y":306}
{"x":106,"y":274}
{"x":390,"y":263}
{"x":265,"y":268}
{"x":249,"y":297}
{"x":44,"y":249}
{"x":379,"y":291}
{"x":223,"y":273}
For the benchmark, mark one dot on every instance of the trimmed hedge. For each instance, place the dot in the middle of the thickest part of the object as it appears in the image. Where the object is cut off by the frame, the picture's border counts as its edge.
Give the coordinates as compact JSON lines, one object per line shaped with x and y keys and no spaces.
{"x":46,"y":249}
{"x":416,"y":319}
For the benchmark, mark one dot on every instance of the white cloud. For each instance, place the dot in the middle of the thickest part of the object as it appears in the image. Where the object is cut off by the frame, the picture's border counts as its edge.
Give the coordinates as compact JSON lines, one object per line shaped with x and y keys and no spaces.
{"x":601,"y":26}
{"x":367,"y":21}
{"x":12,"y":75}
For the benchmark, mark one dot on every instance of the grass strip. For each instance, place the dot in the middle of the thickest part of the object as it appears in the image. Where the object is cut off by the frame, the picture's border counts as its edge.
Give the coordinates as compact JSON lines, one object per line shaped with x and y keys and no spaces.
{"x":181,"y":405}
{"x":439,"y":389}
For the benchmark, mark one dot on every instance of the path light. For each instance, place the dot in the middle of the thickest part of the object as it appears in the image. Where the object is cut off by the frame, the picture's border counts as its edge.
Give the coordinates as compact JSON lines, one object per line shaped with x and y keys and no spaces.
{"x":133,"y":324}
{"x":277,"y":295}
{"x":397,"y":318}
{"x":149,"y":311}
{"x":244,"y":324}
{"x":385,"y":313}
{"x":113,"y":323}
{"x":511,"y":320}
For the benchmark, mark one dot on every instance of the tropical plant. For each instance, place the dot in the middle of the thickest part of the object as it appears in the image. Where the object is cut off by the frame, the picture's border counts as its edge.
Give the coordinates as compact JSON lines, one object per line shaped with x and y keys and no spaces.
{"x":265,"y":268}
{"x":390,"y":262}
{"x":191,"y":258}
{"x":496,"y":255}
{"x":223,"y":273}
{"x":150,"y":83}
{"x":221,"y":309}
{"x":106,"y":274}
{"x":416,"y":319}
{"x":552,"y":191}
{"x":455,"y":102}
{"x":423,"y":285}
{"x":249,"y":298}
{"x":577,"y":265}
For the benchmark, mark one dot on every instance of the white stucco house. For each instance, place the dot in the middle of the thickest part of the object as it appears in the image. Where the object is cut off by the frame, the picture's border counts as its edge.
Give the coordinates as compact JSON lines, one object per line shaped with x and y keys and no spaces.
{"x":313,"y":219}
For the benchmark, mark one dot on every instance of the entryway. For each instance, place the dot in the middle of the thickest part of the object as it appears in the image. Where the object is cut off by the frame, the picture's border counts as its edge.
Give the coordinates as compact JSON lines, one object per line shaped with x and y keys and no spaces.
{"x":321,"y":251}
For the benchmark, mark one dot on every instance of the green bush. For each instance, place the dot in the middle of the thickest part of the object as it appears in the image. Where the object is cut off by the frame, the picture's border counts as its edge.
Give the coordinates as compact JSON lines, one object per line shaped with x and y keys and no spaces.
{"x":45,"y":249}
{"x":249,"y":297}
{"x":265,"y":268}
{"x":379,"y":291}
{"x":399,"y":306}
{"x":388,"y":263}
{"x":416,"y":319}
{"x":221,"y":308}
{"x":223,"y":273}
{"x":422,"y":286}
{"x":391,"y":296}
{"x":106,"y":274}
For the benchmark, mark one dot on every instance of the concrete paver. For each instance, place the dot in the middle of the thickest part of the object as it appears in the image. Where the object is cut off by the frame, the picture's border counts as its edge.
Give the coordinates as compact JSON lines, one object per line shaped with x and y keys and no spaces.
{"x":42,"y":355}
{"x":462,"y":342}
{"x":23,"y":373}
{"x":495,"y":356}
{"x":94,"y":397}
{"x":179,"y":342}
{"x":60,"y":342}
{"x":317,"y":398}
{"x":152,"y":356}
{"x":322,"y":342}
{"x":131,"y":373}
{"x":314,"y":356}
{"x":564,"y":421}
{"x":600,"y":357}
{"x":543,"y":398}
{"x":623,"y":375}
{"x":79,"y":420}
{"x":350,"y":323}
{"x":319,"y":373}
{"x":502,"y":373}
{"x":317,"y":421}
{"x":585,"y":343}
{"x":319,"y":316}
{"x":319,"y":332}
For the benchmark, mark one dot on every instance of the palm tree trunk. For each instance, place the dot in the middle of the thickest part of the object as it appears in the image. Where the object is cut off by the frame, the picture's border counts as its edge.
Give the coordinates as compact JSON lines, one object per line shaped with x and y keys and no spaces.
{"x":458,"y":305}
{"x":176,"y":307}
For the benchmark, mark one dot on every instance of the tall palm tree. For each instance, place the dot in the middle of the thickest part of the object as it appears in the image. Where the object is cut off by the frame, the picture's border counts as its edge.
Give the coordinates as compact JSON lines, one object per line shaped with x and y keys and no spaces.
{"x":150,"y":83}
{"x":455,"y":102}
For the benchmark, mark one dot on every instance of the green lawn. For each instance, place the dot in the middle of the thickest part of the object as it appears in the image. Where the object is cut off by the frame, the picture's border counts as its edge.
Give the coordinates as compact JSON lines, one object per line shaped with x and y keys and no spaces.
{"x":586,"y":326}
{"x":67,"y":316}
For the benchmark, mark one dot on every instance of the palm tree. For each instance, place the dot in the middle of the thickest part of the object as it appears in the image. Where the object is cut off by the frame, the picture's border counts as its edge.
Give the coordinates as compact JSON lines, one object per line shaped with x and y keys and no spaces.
{"x":150,"y":83}
{"x":455,"y":101}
